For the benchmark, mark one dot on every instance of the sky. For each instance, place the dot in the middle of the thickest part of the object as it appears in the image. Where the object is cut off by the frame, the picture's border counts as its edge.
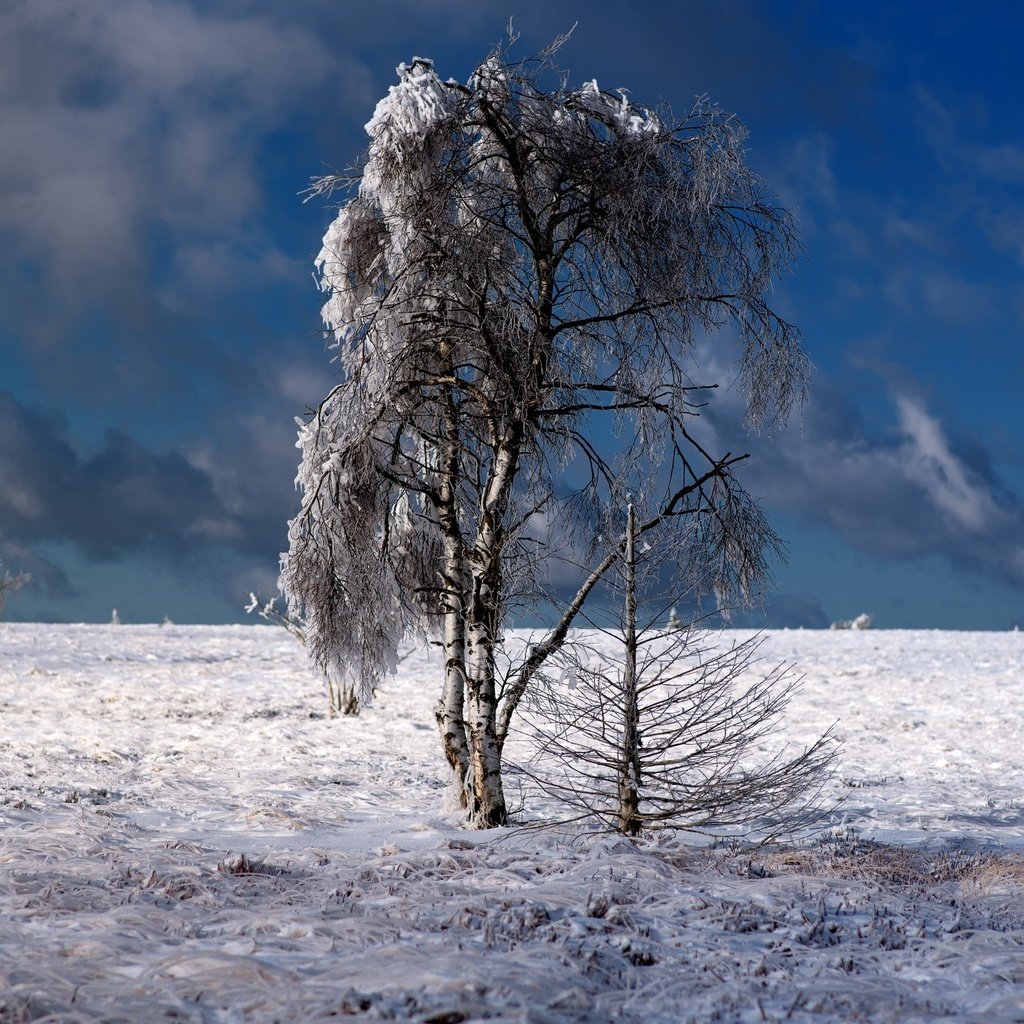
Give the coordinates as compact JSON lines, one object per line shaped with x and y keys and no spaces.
{"x":159,"y":322}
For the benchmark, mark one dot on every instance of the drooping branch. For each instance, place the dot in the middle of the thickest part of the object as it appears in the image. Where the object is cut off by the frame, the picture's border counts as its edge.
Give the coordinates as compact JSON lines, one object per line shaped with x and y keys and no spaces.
{"x":516,"y":261}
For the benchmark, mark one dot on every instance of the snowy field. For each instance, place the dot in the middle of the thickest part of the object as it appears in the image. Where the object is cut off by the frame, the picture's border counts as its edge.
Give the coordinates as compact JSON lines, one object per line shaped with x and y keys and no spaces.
{"x":185,"y":836}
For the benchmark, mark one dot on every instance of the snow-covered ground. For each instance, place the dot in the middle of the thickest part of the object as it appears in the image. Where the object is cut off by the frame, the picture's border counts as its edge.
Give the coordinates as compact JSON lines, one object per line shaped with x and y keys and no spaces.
{"x":185,"y":835}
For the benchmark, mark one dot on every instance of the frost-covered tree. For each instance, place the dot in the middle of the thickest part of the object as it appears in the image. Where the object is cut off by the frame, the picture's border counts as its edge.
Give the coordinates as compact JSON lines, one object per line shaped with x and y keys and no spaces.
{"x":646,"y":727}
{"x":516,"y":261}
{"x":342,"y":696}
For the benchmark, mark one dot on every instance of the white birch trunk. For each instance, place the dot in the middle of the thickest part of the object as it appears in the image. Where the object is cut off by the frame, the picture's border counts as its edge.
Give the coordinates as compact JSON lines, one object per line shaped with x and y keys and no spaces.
{"x":450,"y":714}
{"x":488,"y":808}
{"x":483,"y":630}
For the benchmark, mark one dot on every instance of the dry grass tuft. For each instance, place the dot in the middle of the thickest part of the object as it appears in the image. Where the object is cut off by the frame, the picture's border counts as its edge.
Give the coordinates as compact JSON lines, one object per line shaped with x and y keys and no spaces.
{"x":977,"y":873}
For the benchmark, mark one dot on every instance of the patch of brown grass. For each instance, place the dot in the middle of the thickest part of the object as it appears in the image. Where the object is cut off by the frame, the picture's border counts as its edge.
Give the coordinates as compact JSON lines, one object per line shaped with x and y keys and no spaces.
{"x":901,"y":867}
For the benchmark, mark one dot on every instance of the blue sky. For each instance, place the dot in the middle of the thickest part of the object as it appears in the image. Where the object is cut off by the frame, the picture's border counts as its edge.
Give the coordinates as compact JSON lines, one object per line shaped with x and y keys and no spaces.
{"x":159,"y":326}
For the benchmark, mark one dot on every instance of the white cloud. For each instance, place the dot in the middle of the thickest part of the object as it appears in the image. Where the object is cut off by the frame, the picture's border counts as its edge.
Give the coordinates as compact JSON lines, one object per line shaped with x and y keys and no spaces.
{"x":126,"y":117}
{"x":929,"y":461}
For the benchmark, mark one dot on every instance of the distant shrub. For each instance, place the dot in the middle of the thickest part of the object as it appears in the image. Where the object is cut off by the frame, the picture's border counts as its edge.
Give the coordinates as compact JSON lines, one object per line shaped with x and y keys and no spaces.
{"x":863,"y":621}
{"x":9,"y":584}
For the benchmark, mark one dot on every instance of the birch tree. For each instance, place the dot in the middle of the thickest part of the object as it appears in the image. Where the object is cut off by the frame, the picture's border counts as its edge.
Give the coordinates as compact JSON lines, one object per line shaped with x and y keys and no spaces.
{"x":517,"y":261}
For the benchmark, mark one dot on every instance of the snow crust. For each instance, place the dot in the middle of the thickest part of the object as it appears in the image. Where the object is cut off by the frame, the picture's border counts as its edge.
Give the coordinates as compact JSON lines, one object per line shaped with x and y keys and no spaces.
{"x":185,"y":835}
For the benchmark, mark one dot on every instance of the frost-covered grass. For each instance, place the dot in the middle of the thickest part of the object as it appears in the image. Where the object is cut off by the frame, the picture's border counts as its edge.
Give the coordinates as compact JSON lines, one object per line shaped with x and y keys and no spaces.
{"x":185,"y":835}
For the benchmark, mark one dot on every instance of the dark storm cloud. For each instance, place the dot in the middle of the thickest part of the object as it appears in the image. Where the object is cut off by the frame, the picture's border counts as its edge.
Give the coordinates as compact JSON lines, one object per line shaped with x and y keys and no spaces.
{"x":46,"y":577}
{"x":119,"y":501}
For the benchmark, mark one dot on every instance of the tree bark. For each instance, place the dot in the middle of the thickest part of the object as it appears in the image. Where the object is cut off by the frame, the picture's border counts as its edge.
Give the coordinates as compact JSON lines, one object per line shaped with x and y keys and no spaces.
{"x":450,"y":713}
{"x":629,"y":768}
{"x":483,"y":630}
{"x":488,"y":808}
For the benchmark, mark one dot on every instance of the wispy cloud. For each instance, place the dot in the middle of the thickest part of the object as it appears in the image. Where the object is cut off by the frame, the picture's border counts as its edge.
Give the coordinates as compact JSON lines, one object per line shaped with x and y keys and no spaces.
{"x":904,"y":491}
